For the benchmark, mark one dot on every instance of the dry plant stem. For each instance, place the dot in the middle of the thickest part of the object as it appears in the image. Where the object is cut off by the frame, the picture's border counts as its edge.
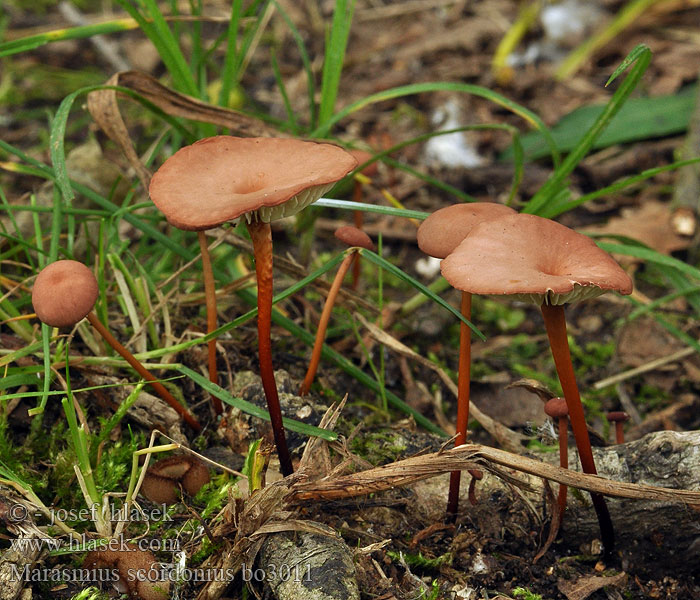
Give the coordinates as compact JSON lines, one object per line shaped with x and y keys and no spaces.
{"x":210,"y":298}
{"x":563,"y":463}
{"x":141,"y":370}
{"x":555,"y":323}
{"x":261,"y":236}
{"x":323,"y":322}
{"x":464,"y":374}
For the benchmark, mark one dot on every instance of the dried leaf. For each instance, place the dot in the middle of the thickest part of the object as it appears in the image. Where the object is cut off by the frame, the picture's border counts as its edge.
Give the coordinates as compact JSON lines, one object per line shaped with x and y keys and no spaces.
{"x":583,"y":587}
{"x":103,"y":107}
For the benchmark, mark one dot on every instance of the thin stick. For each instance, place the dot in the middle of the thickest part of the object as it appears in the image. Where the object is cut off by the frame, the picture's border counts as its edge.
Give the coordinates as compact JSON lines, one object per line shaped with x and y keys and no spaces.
{"x":210,"y":299}
{"x":555,"y":323}
{"x":261,"y":235}
{"x":141,"y":370}
{"x":323,"y":322}
{"x":563,"y":463}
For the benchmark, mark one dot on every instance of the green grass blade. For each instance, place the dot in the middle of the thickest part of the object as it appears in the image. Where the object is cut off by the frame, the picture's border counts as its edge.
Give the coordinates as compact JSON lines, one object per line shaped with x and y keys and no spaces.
{"x":638,"y":119}
{"x":228,"y":76}
{"x":642,"y":57}
{"x":72,"y":33}
{"x":441,"y":86}
{"x":158,"y":32}
{"x":306,"y":62}
{"x":558,"y":208}
{"x":334,"y":57}
{"x":651,"y":256}
{"x":373,"y":208}
{"x":387,"y":266}
{"x":252,"y":409}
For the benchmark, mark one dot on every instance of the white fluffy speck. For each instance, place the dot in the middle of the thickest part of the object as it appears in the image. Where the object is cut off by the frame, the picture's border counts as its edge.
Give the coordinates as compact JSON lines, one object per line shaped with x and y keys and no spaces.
{"x":428,"y":267}
{"x":452,"y":149}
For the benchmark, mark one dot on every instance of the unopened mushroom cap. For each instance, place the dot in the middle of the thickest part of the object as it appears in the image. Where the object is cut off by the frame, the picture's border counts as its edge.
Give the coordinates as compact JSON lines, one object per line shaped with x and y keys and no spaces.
{"x":534,"y":259}
{"x":64,"y":292}
{"x":362,"y":157}
{"x":617,"y":416}
{"x":556,"y":408}
{"x":352,"y":236}
{"x":221,"y":178}
{"x":444,"y":229}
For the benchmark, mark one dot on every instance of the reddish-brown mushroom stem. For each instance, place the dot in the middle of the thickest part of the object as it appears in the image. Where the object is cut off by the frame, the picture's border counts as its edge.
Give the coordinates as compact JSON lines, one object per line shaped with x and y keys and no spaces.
{"x":476,"y":476}
{"x":261,"y":236}
{"x":141,"y":370}
{"x":555,"y":323}
{"x":210,"y":300}
{"x":347,"y":262}
{"x":557,"y":409}
{"x":353,"y":237}
{"x":463,"y":378}
{"x":619,"y":418}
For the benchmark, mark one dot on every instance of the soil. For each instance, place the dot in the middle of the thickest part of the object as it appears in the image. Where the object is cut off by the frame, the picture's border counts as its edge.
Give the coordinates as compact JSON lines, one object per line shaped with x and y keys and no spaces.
{"x":392,"y":44}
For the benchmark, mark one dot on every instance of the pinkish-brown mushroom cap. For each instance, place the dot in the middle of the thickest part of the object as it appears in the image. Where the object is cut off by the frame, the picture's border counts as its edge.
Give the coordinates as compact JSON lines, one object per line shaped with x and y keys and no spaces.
{"x":556,"y":408}
{"x":534,"y":259}
{"x":221,"y":178}
{"x":362,"y":157}
{"x":444,"y":229}
{"x":64,"y":292}
{"x":352,"y":236}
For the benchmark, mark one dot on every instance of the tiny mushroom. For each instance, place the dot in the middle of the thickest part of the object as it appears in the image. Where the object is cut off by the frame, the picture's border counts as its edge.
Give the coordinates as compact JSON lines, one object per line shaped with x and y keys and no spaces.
{"x":619,"y":418}
{"x":438,"y":236}
{"x":557,"y":409}
{"x":355,"y":238}
{"x":541,"y":261}
{"x":163,"y":479}
{"x":223,"y":178}
{"x":138,"y":571}
{"x":65,"y":292}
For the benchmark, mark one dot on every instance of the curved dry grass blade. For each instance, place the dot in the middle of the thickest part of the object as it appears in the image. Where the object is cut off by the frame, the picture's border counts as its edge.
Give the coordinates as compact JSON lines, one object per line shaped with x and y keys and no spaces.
{"x":103,"y":107}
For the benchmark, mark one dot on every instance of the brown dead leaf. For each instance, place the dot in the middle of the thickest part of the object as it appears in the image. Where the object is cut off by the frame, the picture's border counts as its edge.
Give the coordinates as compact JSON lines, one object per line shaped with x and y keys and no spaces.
{"x":644,"y":340}
{"x":583,"y":587}
{"x":651,"y":223}
{"x":103,"y":107}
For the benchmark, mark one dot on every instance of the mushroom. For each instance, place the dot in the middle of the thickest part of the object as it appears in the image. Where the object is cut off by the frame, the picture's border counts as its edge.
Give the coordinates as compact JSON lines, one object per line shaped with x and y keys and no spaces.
{"x":355,"y":238}
{"x":557,"y":409}
{"x":438,"y":236}
{"x":544,"y":262}
{"x":65,"y":292}
{"x":163,"y":479}
{"x":137,"y":570}
{"x":619,"y":418}
{"x":224,"y":178}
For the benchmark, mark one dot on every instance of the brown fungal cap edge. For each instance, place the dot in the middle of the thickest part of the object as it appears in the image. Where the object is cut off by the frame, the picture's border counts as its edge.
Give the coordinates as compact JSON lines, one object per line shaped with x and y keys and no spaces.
{"x":64,"y":292}
{"x":534,"y":259}
{"x":444,"y":229}
{"x":222,"y":178}
{"x":556,"y":408}
{"x":352,"y":236}
{"x":617,"y":416}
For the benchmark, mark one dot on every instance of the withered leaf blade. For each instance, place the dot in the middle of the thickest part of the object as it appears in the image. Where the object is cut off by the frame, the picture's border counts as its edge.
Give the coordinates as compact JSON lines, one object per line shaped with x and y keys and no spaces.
{"x":103,"y":107}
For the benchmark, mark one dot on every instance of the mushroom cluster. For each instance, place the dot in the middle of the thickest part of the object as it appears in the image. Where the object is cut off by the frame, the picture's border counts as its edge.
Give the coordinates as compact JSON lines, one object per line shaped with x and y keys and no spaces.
{"x":540,"y":261}
{"x":163,"y":479}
